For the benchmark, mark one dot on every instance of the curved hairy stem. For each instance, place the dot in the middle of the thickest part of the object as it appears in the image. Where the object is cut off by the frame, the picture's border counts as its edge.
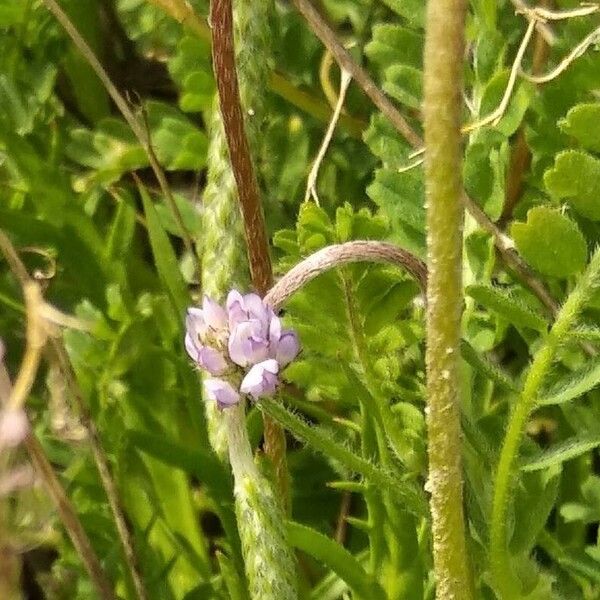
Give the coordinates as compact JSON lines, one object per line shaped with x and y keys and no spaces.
{"x":505,"y":583}
{"x":443,"y":64}
{"x":341,"y":254}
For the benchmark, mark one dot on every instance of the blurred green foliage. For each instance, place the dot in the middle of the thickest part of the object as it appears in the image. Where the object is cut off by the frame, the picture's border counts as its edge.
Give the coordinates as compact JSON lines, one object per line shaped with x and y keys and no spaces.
{"x":116,"y":260}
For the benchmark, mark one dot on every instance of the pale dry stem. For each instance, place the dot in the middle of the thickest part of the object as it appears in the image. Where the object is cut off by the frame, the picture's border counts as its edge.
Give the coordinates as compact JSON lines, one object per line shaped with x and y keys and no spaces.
{"x":311,"y":185}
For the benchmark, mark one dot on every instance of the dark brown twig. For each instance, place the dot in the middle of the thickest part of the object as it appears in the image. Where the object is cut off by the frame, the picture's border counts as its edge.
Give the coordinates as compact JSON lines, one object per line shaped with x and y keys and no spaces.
{"x":346,"y":63}
{"x":183,"y":12}
{"x":237,"y":142}
{"x":249,"y":196}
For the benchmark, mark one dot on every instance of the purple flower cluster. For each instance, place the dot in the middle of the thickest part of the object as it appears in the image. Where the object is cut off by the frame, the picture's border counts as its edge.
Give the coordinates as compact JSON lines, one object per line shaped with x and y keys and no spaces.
{"x":244,"y":337}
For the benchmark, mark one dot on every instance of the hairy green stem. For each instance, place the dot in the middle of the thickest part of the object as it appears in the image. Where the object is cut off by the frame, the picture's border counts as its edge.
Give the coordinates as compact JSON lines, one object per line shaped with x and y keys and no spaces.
{"x":506,"y":585}
{"x":399,"y":569}
{"x":321,"y":441}
{"x":269,"y":561}
{"x":443,"y":64}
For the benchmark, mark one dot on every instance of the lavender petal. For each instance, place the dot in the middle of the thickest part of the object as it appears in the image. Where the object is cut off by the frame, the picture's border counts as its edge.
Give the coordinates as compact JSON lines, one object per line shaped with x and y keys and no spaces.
{"x":222,"y":392}
{"x":261,"y":380}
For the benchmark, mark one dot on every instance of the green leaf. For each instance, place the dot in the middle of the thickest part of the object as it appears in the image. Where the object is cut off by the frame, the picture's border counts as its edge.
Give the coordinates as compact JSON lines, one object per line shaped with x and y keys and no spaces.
{"x":405,"y":84}
{"x":485,"y":366}
{"x":560,"y":453}
{"x":534,"y":500}
{"x":401,"y":197}
{"x":575,"y":177}
{"x":386,"y":143}
{"x":518,"y":105}
{"x":581,"y":123}
{"x":395,"y":45}
{"x":191,"y":69}
{"x":412,"y":10}
{"x":198,"y":462}
{"x":164,"y":256}
{"x":551,"y":242}
{"x":236,"y":586}
{"x":507,"y":306}
{"x":336,"y":558}
{"x":572,"y":385}
{"x":122,"y":229}
{"x":478,"y":174}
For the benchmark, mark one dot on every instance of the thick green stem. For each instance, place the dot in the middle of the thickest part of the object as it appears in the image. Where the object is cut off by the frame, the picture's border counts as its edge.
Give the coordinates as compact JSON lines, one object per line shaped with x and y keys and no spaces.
{"x":506,"y":584}
{"x":269,"y":561}
{"x":443,"y":64}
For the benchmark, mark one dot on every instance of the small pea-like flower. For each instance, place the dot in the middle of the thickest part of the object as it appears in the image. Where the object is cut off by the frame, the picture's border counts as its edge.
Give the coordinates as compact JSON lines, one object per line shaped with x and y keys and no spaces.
{"x":222,"y":392}
{"x":261,"y":380}
{"x":200,"y":324}
{"x":283,"y":343}
{"x":243,"y":341}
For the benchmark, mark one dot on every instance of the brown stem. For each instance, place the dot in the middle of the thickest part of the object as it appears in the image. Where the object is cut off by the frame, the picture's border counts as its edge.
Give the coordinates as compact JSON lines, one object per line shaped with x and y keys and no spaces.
{"x":237,"y":142}
{"x":183,"y":12}
{"x":250,"y":203}
{"x":345,"y":61}
{"x":340,"y":254}
{"x":520,"y":158}
{"x":69,"y":518}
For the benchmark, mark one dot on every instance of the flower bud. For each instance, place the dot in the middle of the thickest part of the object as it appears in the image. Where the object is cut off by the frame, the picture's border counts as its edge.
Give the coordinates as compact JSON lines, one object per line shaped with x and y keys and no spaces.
{"x":261,"y":379}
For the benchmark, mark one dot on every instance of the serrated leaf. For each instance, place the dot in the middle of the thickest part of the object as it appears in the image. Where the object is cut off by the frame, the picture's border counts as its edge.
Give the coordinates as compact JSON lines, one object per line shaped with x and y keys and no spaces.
{"x":550,"y":242}
{"x":507,"y":306}
{"x":401,"y":199}
{"x":336,"y":558}
{"x":321,"y":441}
{"x":412,"y":10}
{"x":191,"y":69}
{"x":575,"y":177}
{"x":560,"y":453}
{"x":405,"y":84}
{"x":393,"y":45}
{"x":572,"y":385}
{"x":164,"y":256}
{"x":386,"y":143}
{"x":581,"y":123}
{"x":487,"y":367}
